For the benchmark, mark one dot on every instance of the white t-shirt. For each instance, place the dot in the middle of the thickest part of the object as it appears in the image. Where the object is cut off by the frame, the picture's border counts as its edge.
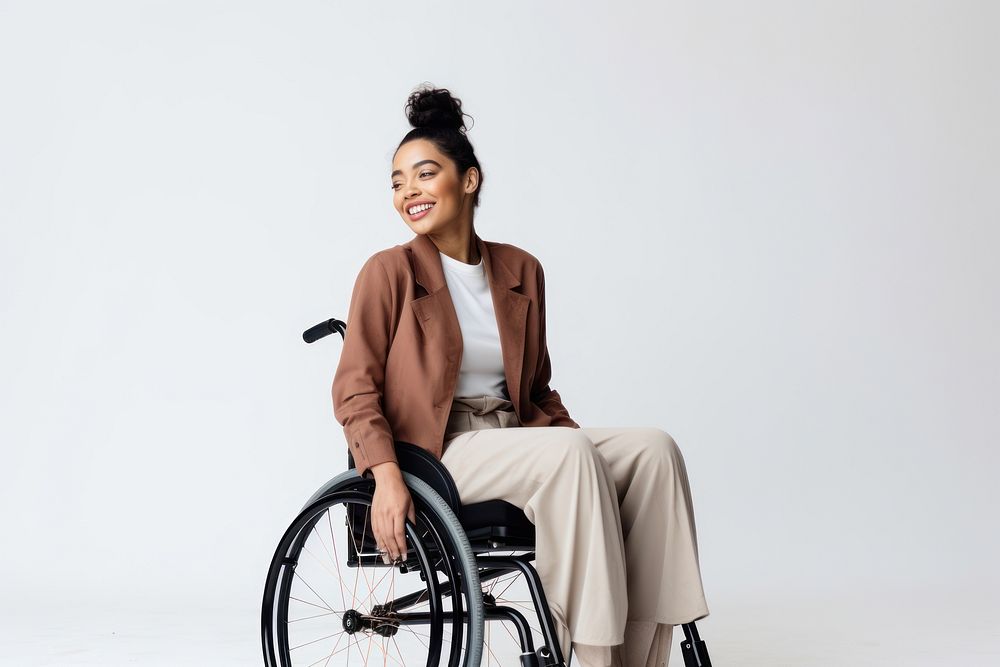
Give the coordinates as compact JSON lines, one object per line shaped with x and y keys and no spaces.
{"x":482,"y":372}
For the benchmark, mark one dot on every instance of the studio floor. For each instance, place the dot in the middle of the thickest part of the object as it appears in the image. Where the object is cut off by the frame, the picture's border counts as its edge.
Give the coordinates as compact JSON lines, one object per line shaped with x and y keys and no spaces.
{"x":894,"y":628}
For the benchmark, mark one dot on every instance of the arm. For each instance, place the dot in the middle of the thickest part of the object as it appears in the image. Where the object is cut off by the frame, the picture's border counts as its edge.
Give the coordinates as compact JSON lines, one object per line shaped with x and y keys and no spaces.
{"x":547,"y":399}
{"x":360,"y":376}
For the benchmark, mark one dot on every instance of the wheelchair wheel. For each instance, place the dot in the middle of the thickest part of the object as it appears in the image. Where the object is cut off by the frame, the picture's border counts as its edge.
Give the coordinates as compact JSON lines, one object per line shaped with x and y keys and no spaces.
{"x":331,"y":600}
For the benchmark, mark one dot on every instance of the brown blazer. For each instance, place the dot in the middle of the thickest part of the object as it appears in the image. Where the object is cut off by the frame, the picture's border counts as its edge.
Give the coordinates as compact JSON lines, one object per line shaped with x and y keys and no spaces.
{"x":403,"y":347}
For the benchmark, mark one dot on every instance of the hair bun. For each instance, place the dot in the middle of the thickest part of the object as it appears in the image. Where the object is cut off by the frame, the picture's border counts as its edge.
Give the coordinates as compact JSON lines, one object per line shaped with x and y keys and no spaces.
{"x":435,"y":107}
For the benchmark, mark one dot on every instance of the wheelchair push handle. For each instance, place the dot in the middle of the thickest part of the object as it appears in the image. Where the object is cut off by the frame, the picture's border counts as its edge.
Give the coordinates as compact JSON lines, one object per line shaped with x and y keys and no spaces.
{"x":314,"y":333}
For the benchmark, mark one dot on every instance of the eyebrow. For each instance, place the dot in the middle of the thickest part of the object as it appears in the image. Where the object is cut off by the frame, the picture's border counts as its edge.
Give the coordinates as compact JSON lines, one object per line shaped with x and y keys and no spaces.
{"x":415,"y":165}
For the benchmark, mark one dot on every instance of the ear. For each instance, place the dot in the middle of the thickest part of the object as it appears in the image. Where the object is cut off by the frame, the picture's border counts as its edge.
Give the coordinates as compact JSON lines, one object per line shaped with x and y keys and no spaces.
{"x":471,"y":180}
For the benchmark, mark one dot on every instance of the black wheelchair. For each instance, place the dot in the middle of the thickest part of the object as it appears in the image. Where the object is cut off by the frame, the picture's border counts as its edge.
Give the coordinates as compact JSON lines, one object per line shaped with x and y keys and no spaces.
{"x":330,"y":599}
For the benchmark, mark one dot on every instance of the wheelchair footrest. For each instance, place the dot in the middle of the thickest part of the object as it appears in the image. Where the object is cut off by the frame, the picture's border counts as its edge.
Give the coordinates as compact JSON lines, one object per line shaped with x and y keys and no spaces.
{"x":543,"y":657}
{"x":695,"y":653}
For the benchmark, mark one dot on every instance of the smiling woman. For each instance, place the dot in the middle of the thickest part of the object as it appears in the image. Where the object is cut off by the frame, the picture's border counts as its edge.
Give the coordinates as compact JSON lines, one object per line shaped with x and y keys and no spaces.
{"x":436,"y":177}
{"x":445,"y":348}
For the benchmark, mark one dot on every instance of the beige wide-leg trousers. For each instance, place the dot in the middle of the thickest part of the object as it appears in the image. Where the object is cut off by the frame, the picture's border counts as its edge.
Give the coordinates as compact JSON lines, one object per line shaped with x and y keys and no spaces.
{"x":615,"y":541}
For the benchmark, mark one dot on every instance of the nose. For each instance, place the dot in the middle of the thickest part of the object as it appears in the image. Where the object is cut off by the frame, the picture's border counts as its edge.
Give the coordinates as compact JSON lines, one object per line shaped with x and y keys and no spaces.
{"x":411,"y":196}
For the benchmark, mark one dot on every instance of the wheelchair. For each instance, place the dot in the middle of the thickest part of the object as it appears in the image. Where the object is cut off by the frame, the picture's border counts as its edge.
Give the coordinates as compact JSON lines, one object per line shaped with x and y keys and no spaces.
{"x":330,"y":599}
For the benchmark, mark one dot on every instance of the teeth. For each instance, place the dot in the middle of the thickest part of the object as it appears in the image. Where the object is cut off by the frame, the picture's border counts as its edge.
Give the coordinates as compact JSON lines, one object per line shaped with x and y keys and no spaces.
{"x":417,"y":209}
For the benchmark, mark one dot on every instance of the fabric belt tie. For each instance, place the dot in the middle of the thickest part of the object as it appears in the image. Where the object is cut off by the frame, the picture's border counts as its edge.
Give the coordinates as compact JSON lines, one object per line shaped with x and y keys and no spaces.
{"x":472,"y":413}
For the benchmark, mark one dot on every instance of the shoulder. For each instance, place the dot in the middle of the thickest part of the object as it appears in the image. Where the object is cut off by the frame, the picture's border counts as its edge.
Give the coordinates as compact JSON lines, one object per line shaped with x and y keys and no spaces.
{"x":388,"y":260}
{"x":380,"y":274}
{"x":520,"y":263}
{"x":515,"y":257}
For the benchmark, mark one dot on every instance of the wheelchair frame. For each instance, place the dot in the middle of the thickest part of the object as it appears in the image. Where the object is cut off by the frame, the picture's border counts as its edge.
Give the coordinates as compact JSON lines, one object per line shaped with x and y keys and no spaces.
{"x":483,"y":527}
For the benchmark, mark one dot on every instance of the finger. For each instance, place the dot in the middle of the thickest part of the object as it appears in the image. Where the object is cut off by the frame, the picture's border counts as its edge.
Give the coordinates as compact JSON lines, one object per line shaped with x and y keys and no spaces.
{"x":378,"y":530}
{"x":412,"y":515}
{"x":400,"y":534}
{"x":386,"y":540}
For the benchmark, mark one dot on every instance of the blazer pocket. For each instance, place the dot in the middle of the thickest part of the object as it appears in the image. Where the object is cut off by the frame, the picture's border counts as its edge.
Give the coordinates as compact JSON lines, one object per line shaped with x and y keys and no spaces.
{"x":423,"y":307}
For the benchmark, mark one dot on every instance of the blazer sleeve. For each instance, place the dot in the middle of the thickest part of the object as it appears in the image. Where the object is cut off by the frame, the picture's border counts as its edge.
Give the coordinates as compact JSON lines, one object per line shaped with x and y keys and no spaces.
{"x":359,"y":380}
{"x":545,"y":397}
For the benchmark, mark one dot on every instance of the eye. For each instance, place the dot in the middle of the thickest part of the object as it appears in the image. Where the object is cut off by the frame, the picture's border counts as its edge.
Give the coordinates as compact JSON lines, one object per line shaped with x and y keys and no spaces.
{"x":423,"y":173}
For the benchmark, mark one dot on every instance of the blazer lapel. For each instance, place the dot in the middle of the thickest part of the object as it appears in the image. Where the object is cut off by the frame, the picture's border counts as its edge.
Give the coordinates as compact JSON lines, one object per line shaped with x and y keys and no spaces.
{"x":437,"y":316}
{"x":512,"y":314}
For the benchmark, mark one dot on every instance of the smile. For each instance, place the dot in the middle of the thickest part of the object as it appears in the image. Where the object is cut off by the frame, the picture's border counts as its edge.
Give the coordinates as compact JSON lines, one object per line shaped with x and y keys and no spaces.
{"x":419,"y":211}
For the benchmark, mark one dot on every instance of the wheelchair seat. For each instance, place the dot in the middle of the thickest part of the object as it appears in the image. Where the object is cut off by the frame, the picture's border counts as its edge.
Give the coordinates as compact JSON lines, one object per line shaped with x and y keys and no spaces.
{"x":491,"y":524}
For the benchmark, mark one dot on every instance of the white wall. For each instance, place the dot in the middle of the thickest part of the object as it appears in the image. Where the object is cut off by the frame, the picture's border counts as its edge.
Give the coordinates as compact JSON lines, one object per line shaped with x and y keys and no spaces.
{"x":770,"y":230}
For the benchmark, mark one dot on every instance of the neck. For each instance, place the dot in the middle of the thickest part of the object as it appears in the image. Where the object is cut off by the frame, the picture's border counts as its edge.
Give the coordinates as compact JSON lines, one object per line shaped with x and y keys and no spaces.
{"x":460,"y":245}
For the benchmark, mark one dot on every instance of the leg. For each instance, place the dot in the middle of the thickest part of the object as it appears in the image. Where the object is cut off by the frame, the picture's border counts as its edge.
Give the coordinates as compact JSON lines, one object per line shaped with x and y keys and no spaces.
{"x":647,"y":644}
{"x":563,"y":485}
{"x":658,"y":528}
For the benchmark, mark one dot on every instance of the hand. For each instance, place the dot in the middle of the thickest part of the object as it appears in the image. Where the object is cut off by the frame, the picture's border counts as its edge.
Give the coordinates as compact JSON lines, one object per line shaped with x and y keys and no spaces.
{"x":391,"y":504}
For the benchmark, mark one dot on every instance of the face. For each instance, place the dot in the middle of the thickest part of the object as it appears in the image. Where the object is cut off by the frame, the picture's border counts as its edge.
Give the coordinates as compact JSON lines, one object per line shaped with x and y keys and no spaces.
{"x":422,"y":173}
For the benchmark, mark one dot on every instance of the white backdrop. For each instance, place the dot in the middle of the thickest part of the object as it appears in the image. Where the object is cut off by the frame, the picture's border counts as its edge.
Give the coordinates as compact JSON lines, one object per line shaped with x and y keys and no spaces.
{"x":770,"y":230}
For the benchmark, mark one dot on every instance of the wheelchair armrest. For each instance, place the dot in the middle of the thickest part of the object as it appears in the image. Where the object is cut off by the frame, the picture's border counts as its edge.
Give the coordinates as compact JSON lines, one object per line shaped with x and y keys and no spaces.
{"x":421,"y":463}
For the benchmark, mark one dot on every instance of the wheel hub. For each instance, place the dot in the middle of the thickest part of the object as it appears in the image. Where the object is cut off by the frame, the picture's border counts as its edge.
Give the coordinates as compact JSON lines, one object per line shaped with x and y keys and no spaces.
{"x":381,"y":621}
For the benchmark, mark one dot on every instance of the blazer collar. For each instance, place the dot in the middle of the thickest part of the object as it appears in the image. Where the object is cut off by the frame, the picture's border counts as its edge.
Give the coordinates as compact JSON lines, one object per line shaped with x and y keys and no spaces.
{"x":429,"y":273}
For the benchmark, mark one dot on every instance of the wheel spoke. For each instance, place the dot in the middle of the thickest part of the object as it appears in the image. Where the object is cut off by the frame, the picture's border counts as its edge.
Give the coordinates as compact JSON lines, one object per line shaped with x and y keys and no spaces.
{"x":492,"y":655}
{"x":322,"y":563}
{"x":511,"y":583}
{"x":398,"y":652}
{"x":385,"y":652}
{"x":316,"y":640}
{"x":296,"y":620}
{"x":336,"y":557}
{"x":370,"y":594}
{"x":332,"y":652}
{"x":314,"y":591}
{"x":312,"y":604}
{"x":504,"y":626}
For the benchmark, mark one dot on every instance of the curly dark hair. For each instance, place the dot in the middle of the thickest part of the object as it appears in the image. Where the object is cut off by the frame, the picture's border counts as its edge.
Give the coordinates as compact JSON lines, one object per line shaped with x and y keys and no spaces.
{"x":437,"y":116}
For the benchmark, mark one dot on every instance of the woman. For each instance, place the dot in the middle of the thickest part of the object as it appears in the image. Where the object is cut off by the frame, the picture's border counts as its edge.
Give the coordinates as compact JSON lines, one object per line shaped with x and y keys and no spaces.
{"x":445,"y":348}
